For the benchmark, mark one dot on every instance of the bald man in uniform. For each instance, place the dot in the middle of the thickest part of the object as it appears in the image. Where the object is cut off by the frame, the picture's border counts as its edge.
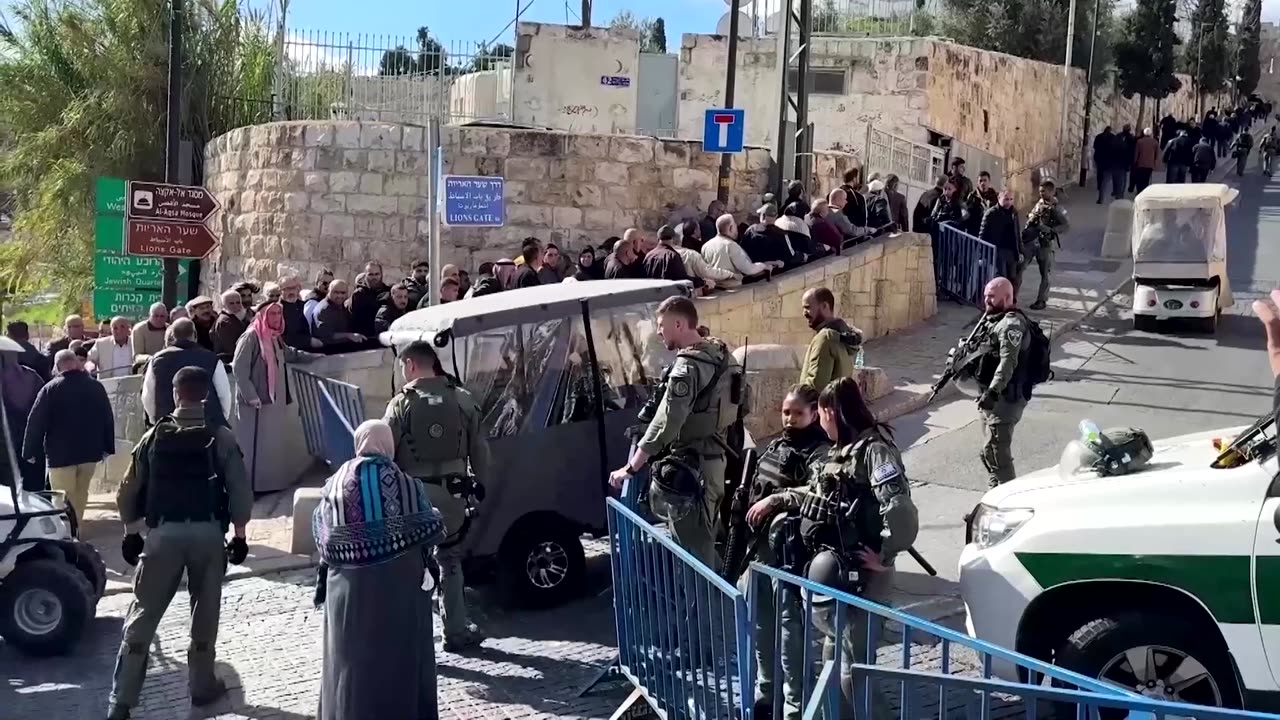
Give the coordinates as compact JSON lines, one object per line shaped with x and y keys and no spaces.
{"x":1001,"y":370}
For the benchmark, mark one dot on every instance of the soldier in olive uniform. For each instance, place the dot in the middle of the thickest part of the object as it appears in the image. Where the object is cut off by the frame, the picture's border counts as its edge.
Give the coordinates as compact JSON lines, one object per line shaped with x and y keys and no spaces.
{"x":1003,"y":399}
{"x":440,"y":439}
{"x":863,"y":465}
{"x":186,"y":481}
{"x":689,"y":427}
{"x":1045,"y":224}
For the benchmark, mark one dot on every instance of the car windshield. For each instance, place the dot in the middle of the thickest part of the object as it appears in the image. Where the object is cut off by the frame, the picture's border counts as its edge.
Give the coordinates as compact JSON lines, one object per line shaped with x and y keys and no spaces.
{"x":1257,"y":442}
{"x":537,"y":375}
{"x":1176,"y":234}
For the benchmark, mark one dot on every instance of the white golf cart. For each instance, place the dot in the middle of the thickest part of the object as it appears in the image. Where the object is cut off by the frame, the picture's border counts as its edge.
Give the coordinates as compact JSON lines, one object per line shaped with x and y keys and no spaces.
{"x":50,"y":582}
{"x":1179,"y":241}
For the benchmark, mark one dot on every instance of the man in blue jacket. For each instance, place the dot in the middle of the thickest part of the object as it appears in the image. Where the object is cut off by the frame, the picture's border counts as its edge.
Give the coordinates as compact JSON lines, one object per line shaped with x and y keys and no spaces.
{"x":72,"y":419}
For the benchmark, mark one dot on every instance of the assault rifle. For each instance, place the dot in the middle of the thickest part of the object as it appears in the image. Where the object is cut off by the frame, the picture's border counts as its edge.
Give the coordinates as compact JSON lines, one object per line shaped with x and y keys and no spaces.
{"x":743,"y":542}
{"x":959,"y":355}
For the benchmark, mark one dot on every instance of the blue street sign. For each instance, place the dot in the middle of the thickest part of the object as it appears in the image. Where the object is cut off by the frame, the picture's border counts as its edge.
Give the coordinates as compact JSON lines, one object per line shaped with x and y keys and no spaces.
{"x":724,"y":131}
{"x":473,"y":201}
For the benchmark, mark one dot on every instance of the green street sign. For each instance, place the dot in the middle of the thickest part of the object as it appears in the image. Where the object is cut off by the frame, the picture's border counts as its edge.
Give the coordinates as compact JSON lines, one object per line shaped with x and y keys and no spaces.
{"x":109,"y":196}
{"x":123,"y":284}
{"x":133,"y":304}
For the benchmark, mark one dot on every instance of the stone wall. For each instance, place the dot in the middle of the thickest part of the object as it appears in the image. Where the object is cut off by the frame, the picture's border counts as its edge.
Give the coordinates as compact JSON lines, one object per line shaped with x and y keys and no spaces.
{"x":880,"y":287}
{"x":300,"y":196}
{"x":884,"y":85}
{"x":558,"y":78}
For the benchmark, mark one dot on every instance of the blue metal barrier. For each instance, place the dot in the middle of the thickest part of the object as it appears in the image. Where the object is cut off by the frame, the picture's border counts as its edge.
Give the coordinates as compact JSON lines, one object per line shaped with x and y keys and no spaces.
{"x":962,"y":264}
{"x":683,"y":637}
{"x":331,"y":410}
{"x":961,"y":685}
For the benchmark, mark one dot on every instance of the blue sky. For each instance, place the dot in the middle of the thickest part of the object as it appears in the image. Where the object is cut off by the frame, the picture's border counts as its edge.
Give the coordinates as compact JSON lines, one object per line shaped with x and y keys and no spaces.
{"x":477,"y":20}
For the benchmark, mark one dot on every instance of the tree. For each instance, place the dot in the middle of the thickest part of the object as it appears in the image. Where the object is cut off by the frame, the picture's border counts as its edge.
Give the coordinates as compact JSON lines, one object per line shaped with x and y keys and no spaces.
{"x":1249,"y":61}
{"x":1033,"y":29}
{"x":431,"y":55}
{"x":1206,"y":56}
{"x":487,"y":58}
{"x":651,"y":31}
{"x":84,"y":84}
{"x":398,"y":62}
{"x":1146,"y":52}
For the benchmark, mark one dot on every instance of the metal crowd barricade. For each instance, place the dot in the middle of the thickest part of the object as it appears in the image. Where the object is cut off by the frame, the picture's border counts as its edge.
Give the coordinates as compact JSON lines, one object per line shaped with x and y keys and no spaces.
{"x":331,"y":410}
{"x":683,"y":638}
{"x":960,"y":685}
{"x":962,"y":264}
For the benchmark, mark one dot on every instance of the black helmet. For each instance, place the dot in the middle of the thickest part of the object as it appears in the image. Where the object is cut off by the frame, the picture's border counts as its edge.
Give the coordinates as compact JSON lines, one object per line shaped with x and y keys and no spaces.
{"x":827,"y":568}
{"x":677,"y":489}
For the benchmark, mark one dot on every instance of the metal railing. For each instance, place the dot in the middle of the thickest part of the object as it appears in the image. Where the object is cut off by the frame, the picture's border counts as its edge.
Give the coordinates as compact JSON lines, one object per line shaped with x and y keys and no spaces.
{"x":916,"y":164}
{"x":962,"y":264}
{"x":330,"y":411}
{"x":852,"y":18}
{"x":683,"y":637}
{"x":1043,"y":689}
{"x":383,"y":78}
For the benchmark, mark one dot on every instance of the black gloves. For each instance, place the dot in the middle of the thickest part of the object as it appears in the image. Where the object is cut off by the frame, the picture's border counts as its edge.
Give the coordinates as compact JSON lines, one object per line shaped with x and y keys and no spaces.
{"x":237,"y":550}
{"x":988,"y":399}
{"x":131,"y":548}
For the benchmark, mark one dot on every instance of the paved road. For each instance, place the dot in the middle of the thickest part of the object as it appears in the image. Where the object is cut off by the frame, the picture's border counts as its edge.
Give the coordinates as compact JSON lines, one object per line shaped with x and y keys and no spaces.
{"x":1168,"y":383}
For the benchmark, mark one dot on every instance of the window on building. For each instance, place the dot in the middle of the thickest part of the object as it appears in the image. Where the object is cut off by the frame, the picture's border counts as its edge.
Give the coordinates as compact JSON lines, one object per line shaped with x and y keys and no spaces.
{"x":822,"y":81}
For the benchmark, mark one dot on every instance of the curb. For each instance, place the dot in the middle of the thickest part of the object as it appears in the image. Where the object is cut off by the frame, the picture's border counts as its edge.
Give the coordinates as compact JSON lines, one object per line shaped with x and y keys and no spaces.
{"x":922,"y":400}
{"x":284,"y":565}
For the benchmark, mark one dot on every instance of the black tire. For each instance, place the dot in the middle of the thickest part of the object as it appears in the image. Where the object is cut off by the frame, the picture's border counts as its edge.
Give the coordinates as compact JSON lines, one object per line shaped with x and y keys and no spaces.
{"x":552,"y":546}
{"x":1145,"y":323}
{"x":1208,"y":325}
{"x":1097,"y":650}
{"x":89,"y":561}
{"x":63,"y":583}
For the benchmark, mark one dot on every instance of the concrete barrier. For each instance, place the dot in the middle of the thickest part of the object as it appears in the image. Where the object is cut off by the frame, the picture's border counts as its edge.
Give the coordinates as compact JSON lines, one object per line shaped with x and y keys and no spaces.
{"x":305,"y":502}
{"x":1116,"y":243}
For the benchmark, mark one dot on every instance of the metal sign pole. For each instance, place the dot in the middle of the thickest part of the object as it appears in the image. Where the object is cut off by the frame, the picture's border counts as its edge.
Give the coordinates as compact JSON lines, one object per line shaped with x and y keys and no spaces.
{"x":433,"y":210}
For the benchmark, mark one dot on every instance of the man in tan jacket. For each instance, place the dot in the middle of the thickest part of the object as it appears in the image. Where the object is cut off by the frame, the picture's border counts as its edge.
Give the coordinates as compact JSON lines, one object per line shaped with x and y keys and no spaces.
{"x":1145,"y":153}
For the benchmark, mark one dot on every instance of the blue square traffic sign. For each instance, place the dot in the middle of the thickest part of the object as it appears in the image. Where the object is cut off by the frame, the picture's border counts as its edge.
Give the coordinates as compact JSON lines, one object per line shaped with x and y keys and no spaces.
{"x":724,"y":130}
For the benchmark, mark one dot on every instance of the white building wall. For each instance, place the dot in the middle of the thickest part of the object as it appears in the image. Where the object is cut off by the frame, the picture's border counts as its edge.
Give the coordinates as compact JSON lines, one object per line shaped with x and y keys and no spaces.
{"x":560,"y":78}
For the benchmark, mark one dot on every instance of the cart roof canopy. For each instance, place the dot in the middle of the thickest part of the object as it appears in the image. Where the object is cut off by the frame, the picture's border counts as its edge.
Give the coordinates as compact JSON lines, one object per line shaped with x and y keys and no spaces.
{"x":526,"y":305}
{"x":1185,"y":195}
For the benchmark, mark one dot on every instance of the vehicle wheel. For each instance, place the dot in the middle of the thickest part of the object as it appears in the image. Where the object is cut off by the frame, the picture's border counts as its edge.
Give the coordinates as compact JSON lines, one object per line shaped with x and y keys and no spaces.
{"x":1207,"y":325}
{"x":1155,"y":655}
{"x":90,"y":562}
{"x":1144,"y":323}
{"x":45,"y":606}
{"x":543,"y":565}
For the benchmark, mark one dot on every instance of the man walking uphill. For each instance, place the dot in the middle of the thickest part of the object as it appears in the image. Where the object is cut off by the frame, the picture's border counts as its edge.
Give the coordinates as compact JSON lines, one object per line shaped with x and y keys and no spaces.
{"x":71,"y":424}
{"x":186,"y":482}
{"x":833,"y":350}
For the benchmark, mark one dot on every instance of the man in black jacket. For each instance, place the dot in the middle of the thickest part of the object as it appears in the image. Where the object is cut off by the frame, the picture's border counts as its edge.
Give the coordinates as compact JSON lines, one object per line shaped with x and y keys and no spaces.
{"x":527,"y":274}
{"x":855,"y":205}
{"x":1000,"y":228}
{"x":367,"y":298}
{"x":297,"y":331}
{"x":664,"y":262}
{"x":72,"y":422}
{"x":416,"y":284}
{"x":19,"y":332}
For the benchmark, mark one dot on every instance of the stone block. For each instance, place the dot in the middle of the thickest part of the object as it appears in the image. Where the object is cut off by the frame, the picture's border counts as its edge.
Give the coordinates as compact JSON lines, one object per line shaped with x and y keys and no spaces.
{"x":473,"y":142}
{"x":369,"y":226}
{"x":566,"y":217}
{"x":400,"y":185}
{"x":596,"y":219}
{"x":620,"y":198}
{"x":347,"y":135}
{"x":412,"y":138}
{"x":612,"y":173}
{"x":355,"y":160}
{"x":491,"y":166}
{"x":325,"y":158}
{"x":338,"y":226}
{"x":538,"y":144}
{"x":371,"y":183}
{"x":520,"y":168}
{"x":375,"y":204}
{"x":498,"y":144}
{"x":462,"y":165}
{"x":693,"y":179}
{"x":344,"y":182}
{"x":328,"y":203}
{"x":631,"y":149}
{"x":296,"y":202}
{"x":382,"y":161}
{"x":384,"y":136}
{"x":672,"y":153}
{"x":512,"y":191}
{"x":529,"y":215}
{"x":595,"y":147}
{"x":646,"y":174}
{"x":587,"y":196}
{"x":315,"y":182}
{"x":549,"y":194}
{"x":244,"y":201}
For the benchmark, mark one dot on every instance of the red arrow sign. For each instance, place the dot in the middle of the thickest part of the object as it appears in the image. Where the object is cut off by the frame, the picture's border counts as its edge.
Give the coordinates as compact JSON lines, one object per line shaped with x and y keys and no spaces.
{"x":168,"y":239}
{"x":175,"y":203}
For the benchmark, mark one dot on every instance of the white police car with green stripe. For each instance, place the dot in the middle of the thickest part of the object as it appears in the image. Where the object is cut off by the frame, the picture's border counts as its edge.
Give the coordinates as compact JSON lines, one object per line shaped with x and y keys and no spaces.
{"x":1165,"y":581}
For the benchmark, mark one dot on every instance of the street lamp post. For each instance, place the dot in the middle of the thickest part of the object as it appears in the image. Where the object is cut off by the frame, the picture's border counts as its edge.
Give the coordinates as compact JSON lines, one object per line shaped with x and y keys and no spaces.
{"x":1066,"y":89}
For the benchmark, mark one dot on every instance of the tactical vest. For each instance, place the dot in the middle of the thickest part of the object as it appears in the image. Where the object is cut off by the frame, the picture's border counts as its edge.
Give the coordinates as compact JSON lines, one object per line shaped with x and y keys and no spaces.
{"x":988,"y":363}
{"x":846,"y":474}
{"x":166,"y":364}
{"x":780,"y":466}
{"x":434,"y":430}
{"x":715,"y":407}
{"x":183,"y":482}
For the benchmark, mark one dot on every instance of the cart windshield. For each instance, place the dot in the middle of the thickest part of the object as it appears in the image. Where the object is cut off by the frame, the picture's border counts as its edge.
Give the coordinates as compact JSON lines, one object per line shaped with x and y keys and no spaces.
{"x":536,"y":375}
{"x":1178,"y":235}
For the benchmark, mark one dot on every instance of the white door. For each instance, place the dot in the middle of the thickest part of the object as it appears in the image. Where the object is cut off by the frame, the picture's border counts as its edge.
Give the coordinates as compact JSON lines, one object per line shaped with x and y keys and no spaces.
{"x":1266,"y":592}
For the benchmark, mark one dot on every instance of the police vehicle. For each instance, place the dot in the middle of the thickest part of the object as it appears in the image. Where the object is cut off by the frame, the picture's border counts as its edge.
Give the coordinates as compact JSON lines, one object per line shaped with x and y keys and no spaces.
{"x":50,"y":582}
{"x":1165,"y":581}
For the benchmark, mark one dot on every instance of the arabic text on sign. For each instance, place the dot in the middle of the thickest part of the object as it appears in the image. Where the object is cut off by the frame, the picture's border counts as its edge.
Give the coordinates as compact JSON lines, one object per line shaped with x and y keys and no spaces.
{"x":615,"y":80}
